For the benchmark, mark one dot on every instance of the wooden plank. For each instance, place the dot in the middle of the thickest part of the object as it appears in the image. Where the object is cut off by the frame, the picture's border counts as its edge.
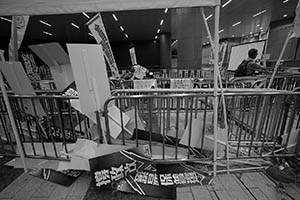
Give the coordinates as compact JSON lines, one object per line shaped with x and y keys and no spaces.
{"x":183,"y":189}
{"x":45,"y":190}
{"x":224,"y":195}
{"x":267,"y":187}
{"x":240,"y":194}
{"x":229,"y":182}
{"x":185,"y":196}
{"x":29,"y":189}
{"x":59,"y":193}
{"x":79,"y":188}
{"x":199,"y":192}
{"x":258,"y":194}
{"x":217,"y":185}
{"x":16,"y":185}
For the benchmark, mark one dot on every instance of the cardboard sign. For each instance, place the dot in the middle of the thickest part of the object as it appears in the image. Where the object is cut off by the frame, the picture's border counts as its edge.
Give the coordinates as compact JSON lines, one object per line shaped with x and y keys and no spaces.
{"x":20,"y":84}
{"x":181,"y":83}
{"x":90,"y":76}
{"x":180,"y":174}
{"x":97,"y":28}
{"x":111,"y":168}
{"x":53,"y":55}
{"x":145,"y":84}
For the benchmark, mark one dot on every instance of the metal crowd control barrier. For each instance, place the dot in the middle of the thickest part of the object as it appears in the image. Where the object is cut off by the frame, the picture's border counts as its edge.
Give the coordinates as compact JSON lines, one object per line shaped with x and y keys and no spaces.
{"x":178,"y":125}
{"x":47,"y":126}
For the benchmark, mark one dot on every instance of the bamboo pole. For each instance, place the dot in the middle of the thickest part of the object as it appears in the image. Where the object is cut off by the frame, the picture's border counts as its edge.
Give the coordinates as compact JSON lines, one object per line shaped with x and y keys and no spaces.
{"x":216,"y":68}
{"x":280,"y":57}
{"x":221,"y":87}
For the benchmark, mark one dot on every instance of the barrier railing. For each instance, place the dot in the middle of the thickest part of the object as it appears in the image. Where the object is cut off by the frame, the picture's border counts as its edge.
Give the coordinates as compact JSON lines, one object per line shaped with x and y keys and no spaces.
{"x":47,"y":126}
{"x":179,"y":125}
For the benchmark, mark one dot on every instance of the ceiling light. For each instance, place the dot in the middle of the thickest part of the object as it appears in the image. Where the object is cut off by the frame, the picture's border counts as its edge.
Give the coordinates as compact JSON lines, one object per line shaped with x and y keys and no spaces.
{"x":173,"y":43}
{"x":161,"y":22}
{"x":85,"y":15}
{"x":126,"y":35}
{"x":158,"y":30}
{"x":91,"y":34}
{"x":233,"y":25}
{"x":5,"y":19}
{"x":166,"y":10}
{"x":208,"y":17}
{"x":220,"y":31}
{"x":155,"y":37}
{"x":121,"y":27}
{"x":260,"y":28}
{"x":232,"y":36}
{"x":285,"y":1}
{"x":259,"y":13}
{"x":243,"y":35}
{"x":285,"y":15}
{"x":47,"y":24}
{"x":225,"y":4}
{"x":250,"y":32}
{"x":115,"y":17}
{"x":258,"y":25}
{"x":76,"y":26}
{"x":47,"y":33}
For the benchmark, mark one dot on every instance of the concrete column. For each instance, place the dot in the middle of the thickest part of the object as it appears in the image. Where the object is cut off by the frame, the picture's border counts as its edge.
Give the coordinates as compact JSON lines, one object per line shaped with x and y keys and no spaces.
{"x":189,"y":36}
{"x":165,"y":50}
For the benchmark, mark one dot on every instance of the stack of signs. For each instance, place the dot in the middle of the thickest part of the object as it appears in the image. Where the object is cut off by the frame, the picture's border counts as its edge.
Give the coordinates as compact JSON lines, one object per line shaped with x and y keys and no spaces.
{"x":132,"y":171}
{"x":184,"y":83}
{"x":144,"y":84}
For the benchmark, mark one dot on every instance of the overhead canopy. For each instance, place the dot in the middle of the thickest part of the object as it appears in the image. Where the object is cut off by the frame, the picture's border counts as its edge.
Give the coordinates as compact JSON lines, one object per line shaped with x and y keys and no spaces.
{"x":43,"y":7}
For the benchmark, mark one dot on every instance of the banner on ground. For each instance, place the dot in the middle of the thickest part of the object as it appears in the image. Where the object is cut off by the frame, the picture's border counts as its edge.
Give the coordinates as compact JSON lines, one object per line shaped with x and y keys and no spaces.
{"x":97,"y":28}
{"x":21,"y":24}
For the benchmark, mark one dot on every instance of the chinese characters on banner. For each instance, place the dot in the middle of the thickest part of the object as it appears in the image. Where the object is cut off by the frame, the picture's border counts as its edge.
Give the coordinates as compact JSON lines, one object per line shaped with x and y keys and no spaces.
{"x":145,"y":84}
{"x":21,"y":24}
{"x":181,"y":83}
{"x":31,"y":68}
{"x":97,"y":28}
{"x":133,"y":171}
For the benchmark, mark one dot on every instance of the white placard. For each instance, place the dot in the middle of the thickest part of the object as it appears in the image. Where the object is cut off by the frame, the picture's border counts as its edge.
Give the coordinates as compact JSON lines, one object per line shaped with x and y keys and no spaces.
{"x":145,"y":84}
{"x":90,"y":75}
{"x":53,"y":55}
{"x":181,"y":83}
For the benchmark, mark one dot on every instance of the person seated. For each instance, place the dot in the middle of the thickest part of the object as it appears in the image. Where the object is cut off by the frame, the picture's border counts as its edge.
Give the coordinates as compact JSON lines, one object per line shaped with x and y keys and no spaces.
{"x":249,"y":66}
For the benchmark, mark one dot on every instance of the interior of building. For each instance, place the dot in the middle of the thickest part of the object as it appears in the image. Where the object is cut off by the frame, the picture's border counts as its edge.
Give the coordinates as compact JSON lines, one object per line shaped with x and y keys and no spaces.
{"x":160,"y":100}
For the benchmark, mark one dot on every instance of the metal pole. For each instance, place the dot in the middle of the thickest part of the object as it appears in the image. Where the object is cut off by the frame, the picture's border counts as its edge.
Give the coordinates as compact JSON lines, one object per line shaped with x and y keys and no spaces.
{"x":216,"y":59}
{"x":280,"y":57}
{"x":222,"y":91}
{"x":12,"y":121}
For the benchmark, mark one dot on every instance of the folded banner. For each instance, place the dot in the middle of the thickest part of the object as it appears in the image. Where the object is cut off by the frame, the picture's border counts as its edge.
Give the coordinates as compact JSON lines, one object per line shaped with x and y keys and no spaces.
{"x":113,"y":167}
{"x":21,"y":24}
{"x":97,"y":28}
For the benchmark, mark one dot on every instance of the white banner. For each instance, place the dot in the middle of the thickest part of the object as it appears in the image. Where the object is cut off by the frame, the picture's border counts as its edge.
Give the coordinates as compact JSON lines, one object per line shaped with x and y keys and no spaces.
{"x":21,"y":24}
{"x":145,"y":84}
{"x":296,"y":28}
{"x":139,"y":71}
{"x":132,"y":56}
{"x":97,"y":28}
{"x":2,"y":55}
{"x":184,"y":83}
